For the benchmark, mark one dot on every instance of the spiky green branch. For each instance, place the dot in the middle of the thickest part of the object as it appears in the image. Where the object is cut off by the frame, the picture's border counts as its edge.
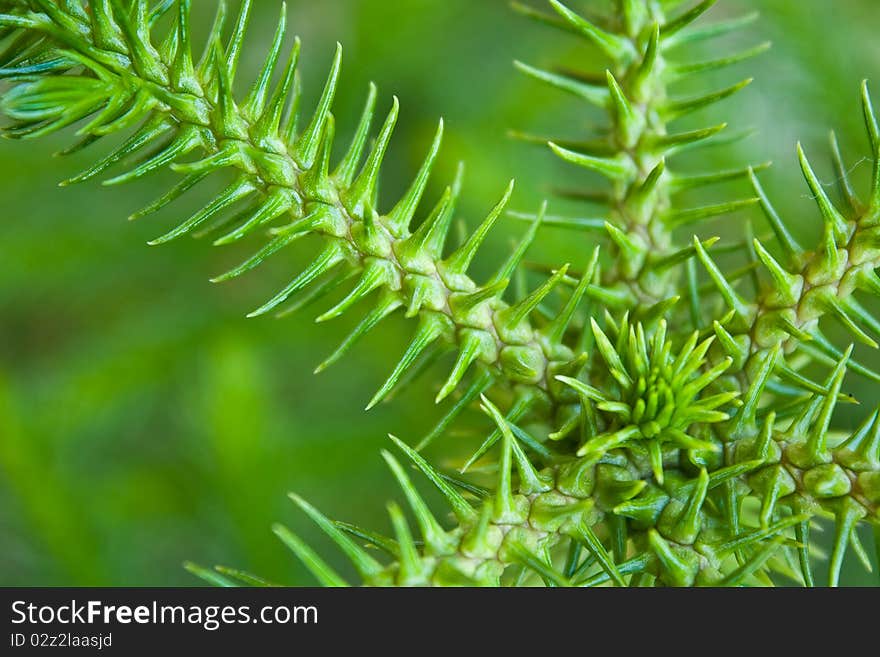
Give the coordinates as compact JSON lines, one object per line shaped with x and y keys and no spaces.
{"x":105,"y":67}
{"x":636,"y":149}
{"x":805,"y":470}
{"x":805,"y":286}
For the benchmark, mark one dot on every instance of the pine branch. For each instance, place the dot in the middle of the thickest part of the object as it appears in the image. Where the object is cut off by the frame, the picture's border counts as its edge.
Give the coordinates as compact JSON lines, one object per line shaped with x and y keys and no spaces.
{"x":638,"y":149}
{"x":103,"y":68}
{"x":805,"y":286}
{"x":803,"y":469}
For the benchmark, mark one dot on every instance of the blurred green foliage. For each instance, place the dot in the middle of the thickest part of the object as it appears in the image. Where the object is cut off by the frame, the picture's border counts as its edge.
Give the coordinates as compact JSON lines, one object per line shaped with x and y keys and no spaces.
{"x":144,"y":421}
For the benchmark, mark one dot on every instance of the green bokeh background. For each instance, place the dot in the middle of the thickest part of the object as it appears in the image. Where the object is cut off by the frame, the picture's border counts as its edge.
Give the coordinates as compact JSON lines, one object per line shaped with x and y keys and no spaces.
{"x":145,"y":421}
